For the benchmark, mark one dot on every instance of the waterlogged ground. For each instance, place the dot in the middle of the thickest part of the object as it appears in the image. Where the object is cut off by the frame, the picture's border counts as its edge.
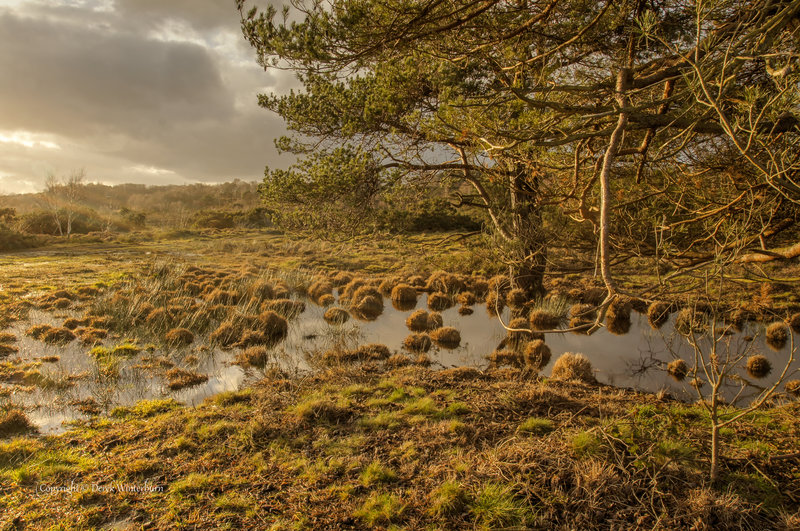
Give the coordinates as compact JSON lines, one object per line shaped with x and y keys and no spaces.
{"x":59,"y":383}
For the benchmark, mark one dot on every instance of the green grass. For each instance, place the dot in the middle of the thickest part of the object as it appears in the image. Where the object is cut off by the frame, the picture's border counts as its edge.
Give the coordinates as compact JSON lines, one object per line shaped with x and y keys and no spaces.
{"x":585,"y":444}
{"x":381,"y":509}
{"x":536,"y":426}
{"x":375,"y":473}
{"x":495,"y":506}
{"x":448,"y":499}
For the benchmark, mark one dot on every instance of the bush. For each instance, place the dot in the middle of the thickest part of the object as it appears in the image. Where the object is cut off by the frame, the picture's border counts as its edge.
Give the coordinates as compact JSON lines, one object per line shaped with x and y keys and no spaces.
{"x":11,"y":240}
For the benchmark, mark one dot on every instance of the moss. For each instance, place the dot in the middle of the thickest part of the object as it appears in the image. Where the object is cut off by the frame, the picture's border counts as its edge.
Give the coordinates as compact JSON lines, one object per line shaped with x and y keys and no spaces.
{"x":573,"y":367}
{"x":585,"y":444}
{"x":146,"y":409}
{"x":125,"y":350}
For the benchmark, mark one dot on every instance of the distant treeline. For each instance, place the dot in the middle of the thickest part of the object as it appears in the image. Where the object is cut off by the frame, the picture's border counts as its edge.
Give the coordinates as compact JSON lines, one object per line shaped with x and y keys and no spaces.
{"x":64,"y":210}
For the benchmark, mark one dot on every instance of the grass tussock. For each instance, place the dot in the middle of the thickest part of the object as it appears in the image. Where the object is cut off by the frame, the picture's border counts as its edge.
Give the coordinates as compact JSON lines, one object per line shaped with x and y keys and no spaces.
{"x":14,"y":422}
{"x":440,"y":301}
{"x":516,"y":298}
{"x":179,"y":337}
{"x":678,"y":369}
{"x":178,"y":378}
{"x":758,"y":366}
{"x":419,"y":342}
{"x":658,"y":314}
{"x":536,"y":354}
{"x":336,"y":316}
{"x":256,"y":356}
{"x":446,"y":337}
{"x":573,"y":367}
{"x":404,"y":293}
{"x":777,"y":335}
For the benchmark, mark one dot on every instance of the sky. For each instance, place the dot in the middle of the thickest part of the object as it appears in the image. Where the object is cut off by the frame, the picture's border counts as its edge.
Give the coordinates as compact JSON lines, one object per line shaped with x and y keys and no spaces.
{"x":143,"y":91}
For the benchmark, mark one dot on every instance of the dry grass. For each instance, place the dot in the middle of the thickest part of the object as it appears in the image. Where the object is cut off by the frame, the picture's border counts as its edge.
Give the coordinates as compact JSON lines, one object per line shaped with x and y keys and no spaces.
{"x":573,"y":367}
{"x":794,"y":322}
{"x":777,"y":335}
{"x":179,"y":337}
{"x":417,"y":343}
{"x":336,"y":316}
{"x":418,"y":321}
{"x":446,"y":336}
{"x":14,"y":422}
{"x":678,"y":369}
{"x":758,"y":366}
{"x":178,"y":378}
{"x":404,"y":293}
{"x":618,"y":317}
{"x":658,"y":314}
{"x":516,"y":298}
{"x":256,"y":356}
{"x":536,"y":355}
{"x":440,"y":301}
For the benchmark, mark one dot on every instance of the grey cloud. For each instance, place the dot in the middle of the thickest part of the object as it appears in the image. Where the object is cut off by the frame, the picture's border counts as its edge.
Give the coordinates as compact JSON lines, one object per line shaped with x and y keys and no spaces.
{"x":116,"y":97}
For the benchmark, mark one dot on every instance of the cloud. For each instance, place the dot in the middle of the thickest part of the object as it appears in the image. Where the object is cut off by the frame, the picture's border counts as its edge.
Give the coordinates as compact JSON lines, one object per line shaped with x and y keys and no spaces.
{"x":132,"y":84}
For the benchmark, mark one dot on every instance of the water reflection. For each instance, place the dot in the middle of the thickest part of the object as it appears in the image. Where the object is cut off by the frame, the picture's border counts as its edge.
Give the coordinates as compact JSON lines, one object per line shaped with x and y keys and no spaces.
{"x":634,"y":355}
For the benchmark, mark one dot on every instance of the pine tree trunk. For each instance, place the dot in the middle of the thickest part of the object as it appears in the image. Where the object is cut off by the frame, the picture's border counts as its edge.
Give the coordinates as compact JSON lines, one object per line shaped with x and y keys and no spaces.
{"x":527,"y":273}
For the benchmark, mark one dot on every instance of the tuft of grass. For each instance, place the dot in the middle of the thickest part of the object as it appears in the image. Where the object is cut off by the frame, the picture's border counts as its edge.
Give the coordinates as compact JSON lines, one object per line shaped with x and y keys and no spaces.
{"x":375,"y":473}
{"x":145,"y":409}
{"x":448,"y":500}
{"x":381,"y":509}
{"x":585,"y":444}
{"x":14,"y":422}
{"x":496,"y":506}
{"x":536,"y":426}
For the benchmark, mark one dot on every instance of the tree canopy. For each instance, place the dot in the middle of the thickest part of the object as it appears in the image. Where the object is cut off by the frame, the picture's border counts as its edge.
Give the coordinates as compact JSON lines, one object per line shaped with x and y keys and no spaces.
{"x":665,"y":129}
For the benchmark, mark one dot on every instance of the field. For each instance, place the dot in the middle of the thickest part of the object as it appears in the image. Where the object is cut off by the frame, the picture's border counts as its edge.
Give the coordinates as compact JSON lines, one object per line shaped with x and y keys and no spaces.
{"x":355,"y":436}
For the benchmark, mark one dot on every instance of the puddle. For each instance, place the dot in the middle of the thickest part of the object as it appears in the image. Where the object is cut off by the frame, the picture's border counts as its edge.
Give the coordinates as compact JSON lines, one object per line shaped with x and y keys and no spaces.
{"x":636,"y":359}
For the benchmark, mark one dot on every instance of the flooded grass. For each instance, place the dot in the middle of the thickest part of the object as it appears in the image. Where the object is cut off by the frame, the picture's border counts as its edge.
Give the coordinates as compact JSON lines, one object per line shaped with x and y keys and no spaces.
{"x":324,"y":399}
